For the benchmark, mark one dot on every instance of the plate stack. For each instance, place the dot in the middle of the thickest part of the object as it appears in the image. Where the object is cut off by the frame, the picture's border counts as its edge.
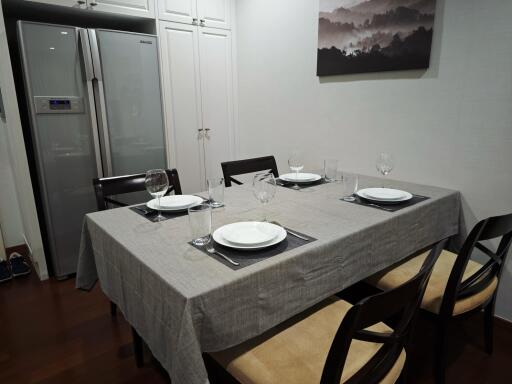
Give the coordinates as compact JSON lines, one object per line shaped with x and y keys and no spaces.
{"x":384,"y":195}
{"x":174,"y":203}
{"x":249,"y":235}
{"x":300,"y":178}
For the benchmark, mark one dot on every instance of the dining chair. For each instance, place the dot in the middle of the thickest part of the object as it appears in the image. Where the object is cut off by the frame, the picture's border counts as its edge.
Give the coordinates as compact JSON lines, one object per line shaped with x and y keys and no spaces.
{"x":241,"y":167}
{"x":459,"y":286}
{"x":335,"y":342}
{"x":106,"y":188}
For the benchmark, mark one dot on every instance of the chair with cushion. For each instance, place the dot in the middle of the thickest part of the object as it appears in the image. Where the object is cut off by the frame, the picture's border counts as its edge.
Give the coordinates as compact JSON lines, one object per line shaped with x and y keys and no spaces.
{"x":459,"y":286}
{"x":241,"y":167}
{"x":106,"y":189}
{"x":334,"y":342}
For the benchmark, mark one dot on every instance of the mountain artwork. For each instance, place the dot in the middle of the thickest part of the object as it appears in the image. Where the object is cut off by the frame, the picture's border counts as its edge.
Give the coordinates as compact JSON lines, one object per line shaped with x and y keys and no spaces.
{"x":358,"y":36}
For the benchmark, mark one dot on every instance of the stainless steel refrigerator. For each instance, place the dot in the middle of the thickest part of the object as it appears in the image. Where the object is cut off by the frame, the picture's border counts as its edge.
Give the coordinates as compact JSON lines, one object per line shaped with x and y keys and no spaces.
{"x":95,"y":107}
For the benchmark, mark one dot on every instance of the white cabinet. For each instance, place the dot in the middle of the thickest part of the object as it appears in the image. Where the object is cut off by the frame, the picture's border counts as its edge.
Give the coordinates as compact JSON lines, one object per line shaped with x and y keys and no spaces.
{"x":143,"y":8}
{"x":216,"y":97}
{"x":206,"y":13}
{"x":66,"y":3}
{"x":198,"y":97}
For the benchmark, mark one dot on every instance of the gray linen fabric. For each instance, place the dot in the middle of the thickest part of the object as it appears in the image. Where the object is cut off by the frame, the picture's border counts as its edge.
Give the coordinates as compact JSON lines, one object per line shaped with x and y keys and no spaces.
{"x":183,"y":302}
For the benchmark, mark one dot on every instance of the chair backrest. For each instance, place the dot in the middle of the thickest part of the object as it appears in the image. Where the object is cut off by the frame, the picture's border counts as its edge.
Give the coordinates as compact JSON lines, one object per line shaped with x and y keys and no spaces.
{"x":492,"y":228}
{"x":241,"y":167}
{"x":107,"y":187}
{"x":401,"y":303}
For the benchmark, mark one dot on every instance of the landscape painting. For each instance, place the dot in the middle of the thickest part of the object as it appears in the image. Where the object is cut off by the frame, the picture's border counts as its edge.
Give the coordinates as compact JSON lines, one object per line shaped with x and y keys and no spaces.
{"x":358,"y":36}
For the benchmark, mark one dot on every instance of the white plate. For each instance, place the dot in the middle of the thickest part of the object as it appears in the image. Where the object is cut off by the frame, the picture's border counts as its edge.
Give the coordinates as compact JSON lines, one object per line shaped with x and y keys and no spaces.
{"x":175,"y":202}
{"x":385,"y":198}
{"x":300,"y":177}
{"x":219,"y":239}
{"x":385,"y":193}
{"x":250,"y":233}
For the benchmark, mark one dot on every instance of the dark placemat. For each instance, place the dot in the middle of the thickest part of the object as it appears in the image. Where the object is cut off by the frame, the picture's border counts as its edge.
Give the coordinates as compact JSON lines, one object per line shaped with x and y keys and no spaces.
{"x":246,"y":258}
{"x":151,"y":216}
{"x":389,"y":207}
{"x":288,"y":184}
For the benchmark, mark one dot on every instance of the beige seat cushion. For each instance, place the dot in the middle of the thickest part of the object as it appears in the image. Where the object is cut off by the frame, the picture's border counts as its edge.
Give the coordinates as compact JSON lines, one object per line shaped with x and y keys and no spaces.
{"x":295,"y":352}
{"x":437,"y":283}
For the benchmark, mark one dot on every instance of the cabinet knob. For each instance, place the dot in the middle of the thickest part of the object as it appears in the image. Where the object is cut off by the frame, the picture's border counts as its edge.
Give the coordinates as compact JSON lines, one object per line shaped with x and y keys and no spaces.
{"x":194,"y":21}
{"x":93,"y":4}
{"x":80,"y":2}
{"x":202,"y":21}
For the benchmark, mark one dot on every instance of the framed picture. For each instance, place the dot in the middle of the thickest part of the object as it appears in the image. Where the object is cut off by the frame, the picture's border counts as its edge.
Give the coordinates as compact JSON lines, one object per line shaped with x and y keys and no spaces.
{"x":358,"y":36}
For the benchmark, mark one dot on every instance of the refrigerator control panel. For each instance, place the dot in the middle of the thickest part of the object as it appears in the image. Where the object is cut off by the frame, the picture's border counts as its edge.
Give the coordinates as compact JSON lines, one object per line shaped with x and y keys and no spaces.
{"x":66,"y":104}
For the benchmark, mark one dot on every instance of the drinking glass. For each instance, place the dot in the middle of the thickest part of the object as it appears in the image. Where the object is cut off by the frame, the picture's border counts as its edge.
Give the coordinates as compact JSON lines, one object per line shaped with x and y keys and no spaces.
{"x":157,"y":185}
{"x":350,"y":183}
{"x":385,"y":163}
{"x":331,"y":170}
{"x":216,"y":192}
{"x":296,"y":165}
{"x":200,"y":218}
{"x":264,"y":188}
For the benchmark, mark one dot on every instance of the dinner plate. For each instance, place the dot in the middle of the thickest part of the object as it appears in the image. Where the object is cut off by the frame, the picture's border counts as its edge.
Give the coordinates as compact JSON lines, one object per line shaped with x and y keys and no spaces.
{"x":219,"y":239}
{"x":175,"y":202}
{"x":250,"y":233}
{"x":385,"y":195}
{"x":300,"y":177}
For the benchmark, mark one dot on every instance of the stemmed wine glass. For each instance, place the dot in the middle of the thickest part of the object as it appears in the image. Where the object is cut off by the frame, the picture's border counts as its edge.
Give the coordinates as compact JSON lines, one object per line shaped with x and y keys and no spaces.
{"x":385,"y":163}
{"x":157,"y":185}
{"x":296,"y":165}
{"x":264,"y":188}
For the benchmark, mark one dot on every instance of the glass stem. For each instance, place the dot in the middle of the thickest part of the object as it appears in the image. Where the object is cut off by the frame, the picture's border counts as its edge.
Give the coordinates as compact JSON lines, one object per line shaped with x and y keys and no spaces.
{"x":159,"y":211}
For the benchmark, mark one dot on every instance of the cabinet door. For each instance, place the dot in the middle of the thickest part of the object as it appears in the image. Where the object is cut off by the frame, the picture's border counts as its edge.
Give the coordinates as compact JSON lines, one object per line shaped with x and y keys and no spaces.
{"x":214,"y":13}
{"x":180,"y":11}
{"x":65,"y":3}
{"x":143,"y":8}
{"x":180,"y":70}
{"x":217,"y":97}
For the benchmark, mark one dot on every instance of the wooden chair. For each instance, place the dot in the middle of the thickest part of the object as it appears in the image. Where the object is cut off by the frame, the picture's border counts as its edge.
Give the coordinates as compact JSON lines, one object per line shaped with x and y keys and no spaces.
{"x":335,"y":342}
{"x":459,"y":286}
{"x":106,"y":189}
{"x":241,"y":167}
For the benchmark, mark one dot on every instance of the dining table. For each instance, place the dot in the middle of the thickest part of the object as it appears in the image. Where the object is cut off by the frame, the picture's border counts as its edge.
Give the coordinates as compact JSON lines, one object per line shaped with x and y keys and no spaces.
{"x":185,"y":302}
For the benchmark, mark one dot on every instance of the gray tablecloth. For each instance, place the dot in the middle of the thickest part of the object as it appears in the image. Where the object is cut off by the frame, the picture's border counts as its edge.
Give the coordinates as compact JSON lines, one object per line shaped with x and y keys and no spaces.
{"x":183,"y":302}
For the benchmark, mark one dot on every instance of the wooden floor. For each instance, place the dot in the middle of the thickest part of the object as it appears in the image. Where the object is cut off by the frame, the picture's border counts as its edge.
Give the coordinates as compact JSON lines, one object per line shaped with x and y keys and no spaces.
{"x":53,"y":333}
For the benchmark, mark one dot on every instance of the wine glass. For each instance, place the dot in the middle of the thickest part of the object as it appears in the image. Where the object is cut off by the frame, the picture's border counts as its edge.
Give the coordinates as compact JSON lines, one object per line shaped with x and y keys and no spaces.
{"x":385,"y":163}
{"x":264,"y":188}
{"x":157,"y":185}
{"x":296,"y":165}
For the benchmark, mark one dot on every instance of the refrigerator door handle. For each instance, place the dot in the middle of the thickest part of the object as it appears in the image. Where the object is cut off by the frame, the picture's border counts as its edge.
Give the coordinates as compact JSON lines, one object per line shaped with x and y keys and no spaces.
{"x":89,"y":74}
{"x":99,"y":93}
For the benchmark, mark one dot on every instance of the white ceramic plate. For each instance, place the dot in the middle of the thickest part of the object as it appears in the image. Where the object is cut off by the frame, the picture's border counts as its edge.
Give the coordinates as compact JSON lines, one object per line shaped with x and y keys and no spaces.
{"x":384,"y":197}
{"x":250,"y":233}
{"x":218,"y":237}
{"x":300,"y":177}
{"x":175,"y":202}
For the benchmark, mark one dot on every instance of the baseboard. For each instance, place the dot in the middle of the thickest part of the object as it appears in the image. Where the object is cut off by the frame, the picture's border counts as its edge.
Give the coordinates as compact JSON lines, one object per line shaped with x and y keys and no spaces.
{"x":22,"y":249}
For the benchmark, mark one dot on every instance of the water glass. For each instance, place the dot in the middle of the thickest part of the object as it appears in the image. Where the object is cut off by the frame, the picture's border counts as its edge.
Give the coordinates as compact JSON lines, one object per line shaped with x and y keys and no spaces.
{"x":350,"y":184}
{"x":296,"y":165}
{"x":200,"y":218}
{"x":157,"y":184}
{"x":264,"y":188}
{"x":331,"y":170}
{"x":216,"y":192}
{"x":385,"y":163}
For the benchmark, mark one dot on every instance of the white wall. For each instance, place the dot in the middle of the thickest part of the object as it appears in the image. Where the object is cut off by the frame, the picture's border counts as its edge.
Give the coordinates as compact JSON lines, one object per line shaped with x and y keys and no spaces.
{"x":10,"y":219}
{"x":450,"y":126}
{"x":18,"y":158}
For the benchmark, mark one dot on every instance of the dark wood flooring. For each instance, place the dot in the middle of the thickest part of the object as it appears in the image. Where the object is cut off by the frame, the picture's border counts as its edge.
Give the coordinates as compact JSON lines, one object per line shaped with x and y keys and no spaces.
{"x":52,"y":333}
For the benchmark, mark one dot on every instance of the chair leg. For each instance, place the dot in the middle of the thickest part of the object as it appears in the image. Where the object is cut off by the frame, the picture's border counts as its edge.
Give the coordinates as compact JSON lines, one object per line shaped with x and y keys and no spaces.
{"x":138,"y":348}
{"x":440,"y":352}
{"x":489,"y":327}
{"x":113,"y":309}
